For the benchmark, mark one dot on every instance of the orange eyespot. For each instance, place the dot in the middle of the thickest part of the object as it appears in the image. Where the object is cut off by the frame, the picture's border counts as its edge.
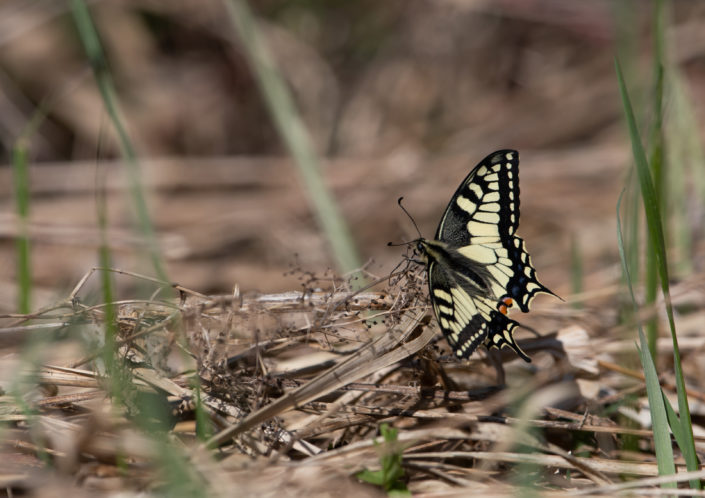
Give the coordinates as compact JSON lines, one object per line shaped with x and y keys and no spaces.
{"x":506,"y":302}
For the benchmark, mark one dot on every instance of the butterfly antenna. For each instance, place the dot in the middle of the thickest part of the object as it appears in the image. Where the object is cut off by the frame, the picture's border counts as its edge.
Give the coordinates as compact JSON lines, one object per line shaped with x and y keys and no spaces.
{"x":410,"y":217}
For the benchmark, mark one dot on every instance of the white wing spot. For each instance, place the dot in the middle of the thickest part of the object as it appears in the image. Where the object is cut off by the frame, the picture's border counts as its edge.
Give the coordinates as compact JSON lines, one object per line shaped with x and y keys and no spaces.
{"x":441,"y":294}
{"x":491,"y":242}
{"x":493,"y":186}
{"x":466,"y":204}
{"x":485,"y":217}
{"x":482,"y":229}
{"x":476,"y":189}
{"x":492,"y":178}
{"x":509,"y":156}
{"x":479,"y":253}
{"x":444,"y":309}
{"x":491,"y":206}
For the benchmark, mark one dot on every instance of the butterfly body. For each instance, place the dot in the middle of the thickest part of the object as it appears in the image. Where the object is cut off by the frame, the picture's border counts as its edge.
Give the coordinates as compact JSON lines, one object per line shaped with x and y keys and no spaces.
{"x":477,"y":266}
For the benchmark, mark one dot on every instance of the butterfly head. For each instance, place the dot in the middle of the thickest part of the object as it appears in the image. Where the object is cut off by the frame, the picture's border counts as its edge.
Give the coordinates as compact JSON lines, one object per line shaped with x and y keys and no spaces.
{"x":419,"y":248}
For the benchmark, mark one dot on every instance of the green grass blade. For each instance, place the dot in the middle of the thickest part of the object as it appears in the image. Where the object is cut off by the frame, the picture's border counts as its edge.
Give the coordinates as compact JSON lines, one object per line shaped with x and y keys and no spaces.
{"x":659,"y":417}
{"x":203,"y":428}
{"x":634,"y":217}
{"x":20,"y":174}
{"x":656,"y":156}
{"x":98,"y":62}
{"x":674,"y":422}
{"x":655,"y":231}
{"x":180,"y":479}
{"x":293,"y":132}
{"x":651,"y":207}
{"x":114,"y":374}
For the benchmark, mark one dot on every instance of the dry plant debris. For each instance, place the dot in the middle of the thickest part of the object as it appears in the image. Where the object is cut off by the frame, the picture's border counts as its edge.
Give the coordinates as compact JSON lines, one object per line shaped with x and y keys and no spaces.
{"x":265,"y":392}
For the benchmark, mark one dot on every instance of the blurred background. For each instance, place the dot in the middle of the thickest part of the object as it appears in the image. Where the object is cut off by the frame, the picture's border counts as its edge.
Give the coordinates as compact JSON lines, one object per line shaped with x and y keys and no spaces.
{"x":398,"y":97}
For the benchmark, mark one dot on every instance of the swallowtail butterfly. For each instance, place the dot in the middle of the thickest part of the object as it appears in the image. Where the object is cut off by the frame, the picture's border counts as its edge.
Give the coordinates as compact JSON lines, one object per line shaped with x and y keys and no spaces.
{"x":477,"y":265}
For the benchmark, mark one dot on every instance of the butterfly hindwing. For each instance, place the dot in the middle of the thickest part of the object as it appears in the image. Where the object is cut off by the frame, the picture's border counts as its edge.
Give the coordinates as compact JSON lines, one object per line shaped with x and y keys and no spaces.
{"x":523,"y":285}
{"x":477,"y":266}
{"x":467,"y":318}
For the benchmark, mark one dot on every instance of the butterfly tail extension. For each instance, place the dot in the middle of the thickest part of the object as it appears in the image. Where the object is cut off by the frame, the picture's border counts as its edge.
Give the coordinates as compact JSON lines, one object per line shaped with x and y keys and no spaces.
{"x":501,"y":334}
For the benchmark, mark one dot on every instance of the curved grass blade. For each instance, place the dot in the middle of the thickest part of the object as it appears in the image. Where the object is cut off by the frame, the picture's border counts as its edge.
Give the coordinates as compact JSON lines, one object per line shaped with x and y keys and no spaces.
{"x":98,"y":62}
{"x":655,"y":232}
{"x":293,"y":132}
{"x":659,"y":418}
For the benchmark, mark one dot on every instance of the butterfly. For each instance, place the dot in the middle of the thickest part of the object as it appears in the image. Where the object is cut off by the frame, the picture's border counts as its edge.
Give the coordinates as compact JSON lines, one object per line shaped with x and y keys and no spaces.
{"x":477,"y":266}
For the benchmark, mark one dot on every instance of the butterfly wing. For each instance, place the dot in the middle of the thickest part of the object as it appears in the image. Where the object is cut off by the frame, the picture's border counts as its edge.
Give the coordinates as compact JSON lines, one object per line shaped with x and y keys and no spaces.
{"x":478,"y":230}
{"x":481,"y":220}
{"x":468,"y":317}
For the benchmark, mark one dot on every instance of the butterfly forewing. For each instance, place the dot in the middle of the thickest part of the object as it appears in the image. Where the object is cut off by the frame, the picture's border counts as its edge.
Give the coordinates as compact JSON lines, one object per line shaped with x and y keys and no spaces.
{"x":486,"y":205}
{"x":477,"y":261}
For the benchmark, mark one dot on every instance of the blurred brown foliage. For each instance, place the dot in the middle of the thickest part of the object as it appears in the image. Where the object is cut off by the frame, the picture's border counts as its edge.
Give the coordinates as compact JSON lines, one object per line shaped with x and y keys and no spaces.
{"x":400,"y":97}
